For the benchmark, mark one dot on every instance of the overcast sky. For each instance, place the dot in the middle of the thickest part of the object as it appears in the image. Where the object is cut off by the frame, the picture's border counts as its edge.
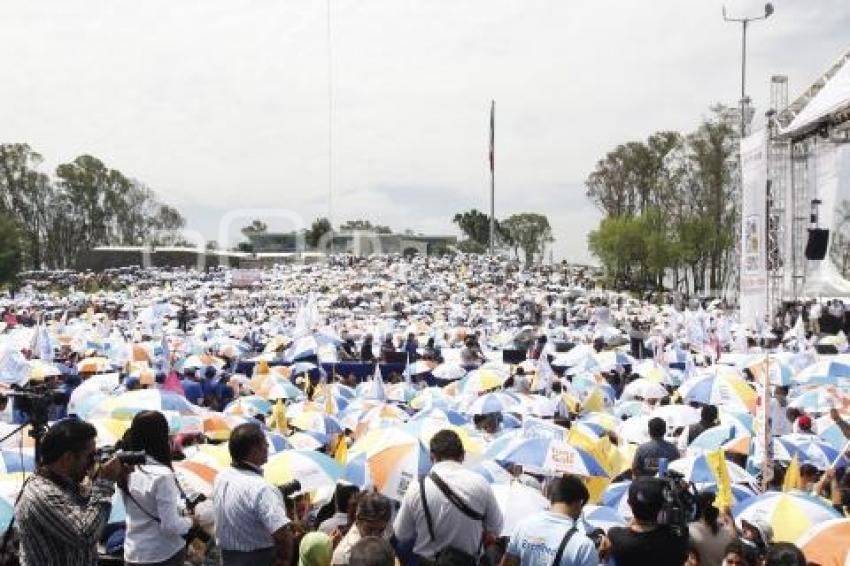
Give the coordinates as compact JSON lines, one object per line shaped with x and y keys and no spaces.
{"x":221,"y":106}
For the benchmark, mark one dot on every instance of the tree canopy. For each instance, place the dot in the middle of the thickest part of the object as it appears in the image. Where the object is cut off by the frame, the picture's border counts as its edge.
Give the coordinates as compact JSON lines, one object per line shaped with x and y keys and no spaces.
{"x":316,"y":235}
{"x":364,"y":226}
{"x":255,"y":227}
{"x":669,"y":205}
{"x":10,"y":249}
{"x":88,"y":204}
{"x":530,"y":232}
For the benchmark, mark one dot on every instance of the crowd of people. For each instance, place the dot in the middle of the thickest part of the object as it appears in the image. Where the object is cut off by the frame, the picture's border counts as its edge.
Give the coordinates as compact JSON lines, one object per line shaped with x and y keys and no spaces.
{"x":414,"y":411}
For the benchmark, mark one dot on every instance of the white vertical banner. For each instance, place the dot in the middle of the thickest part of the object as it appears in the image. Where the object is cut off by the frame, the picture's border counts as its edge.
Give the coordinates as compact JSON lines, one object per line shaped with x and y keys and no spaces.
{"x":753,"y":280}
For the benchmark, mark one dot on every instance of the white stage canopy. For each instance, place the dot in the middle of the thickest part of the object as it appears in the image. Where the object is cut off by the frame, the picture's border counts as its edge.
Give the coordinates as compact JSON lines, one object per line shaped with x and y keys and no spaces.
{"x":832,"y":97}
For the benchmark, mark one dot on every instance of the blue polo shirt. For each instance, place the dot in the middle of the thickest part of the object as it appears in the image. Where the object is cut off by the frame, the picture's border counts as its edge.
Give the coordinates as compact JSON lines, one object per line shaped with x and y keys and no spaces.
{"x":536,"y":539}
{"x":192,"y":390}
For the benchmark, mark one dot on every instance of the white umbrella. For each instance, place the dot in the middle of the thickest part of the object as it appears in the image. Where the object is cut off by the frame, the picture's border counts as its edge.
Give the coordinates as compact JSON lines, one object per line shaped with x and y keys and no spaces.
{"x":517,"y":501}
{"x":644,"y":388}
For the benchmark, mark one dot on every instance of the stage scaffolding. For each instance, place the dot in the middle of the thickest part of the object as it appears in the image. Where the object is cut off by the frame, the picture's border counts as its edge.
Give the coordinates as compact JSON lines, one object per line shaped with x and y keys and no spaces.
{"x":779,"y":245}
{"x":792,"y":184}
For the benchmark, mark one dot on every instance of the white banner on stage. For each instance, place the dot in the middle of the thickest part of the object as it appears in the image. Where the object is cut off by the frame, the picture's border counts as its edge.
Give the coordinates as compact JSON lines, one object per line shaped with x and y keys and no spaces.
{"x":830,"y":183}
{"x":753,"y":280}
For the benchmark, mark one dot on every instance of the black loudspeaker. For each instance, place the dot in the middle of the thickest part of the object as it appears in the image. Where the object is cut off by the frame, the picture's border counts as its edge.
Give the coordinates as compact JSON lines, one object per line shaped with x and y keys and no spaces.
{"x":513,"y":356}
{"x":817,"y":244}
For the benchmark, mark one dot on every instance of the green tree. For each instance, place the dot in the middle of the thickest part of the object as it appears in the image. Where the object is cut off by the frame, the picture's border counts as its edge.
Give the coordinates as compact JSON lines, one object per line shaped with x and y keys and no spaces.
{"x":364,"y":226}
{"x":88,"y":205}
{"x":712,"y":149}
{"x":475,"y":225}
{"x":317,"y":232}
{"x":26,"y":195}
{"x":168,"y":224}
{"x":470,"y":246}
{"x":134,"y":216}
{"x":255,"y":227}
{"x":95,"y":194}
{"x":11,"y":249}
{"x":530,"y":231}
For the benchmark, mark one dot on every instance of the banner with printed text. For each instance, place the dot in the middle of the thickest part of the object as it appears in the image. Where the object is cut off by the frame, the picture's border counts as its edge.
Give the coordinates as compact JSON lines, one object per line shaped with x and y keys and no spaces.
{"x":753,"y":270}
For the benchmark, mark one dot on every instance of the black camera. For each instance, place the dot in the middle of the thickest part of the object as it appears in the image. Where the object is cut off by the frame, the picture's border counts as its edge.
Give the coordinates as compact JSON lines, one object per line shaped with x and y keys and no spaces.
{"x":680,"y":505}
{"x":126,"y":457}
{"x":290,"y":488}
{"x":193,"y":500}
{"x":34,"y":401}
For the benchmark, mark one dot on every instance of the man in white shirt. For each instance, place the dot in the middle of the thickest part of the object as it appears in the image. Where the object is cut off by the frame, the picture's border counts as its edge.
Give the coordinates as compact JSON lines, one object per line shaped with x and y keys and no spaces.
{"x":445,"y":525}
{"x":251,"y":525}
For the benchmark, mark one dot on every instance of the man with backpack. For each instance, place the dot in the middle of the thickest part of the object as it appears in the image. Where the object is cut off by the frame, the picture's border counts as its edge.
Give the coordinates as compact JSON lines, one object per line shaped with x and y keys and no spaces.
{"x":451,"y":513}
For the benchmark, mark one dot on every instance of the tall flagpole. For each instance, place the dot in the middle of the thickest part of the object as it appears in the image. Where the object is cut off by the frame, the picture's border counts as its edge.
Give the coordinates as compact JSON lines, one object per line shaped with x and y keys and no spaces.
{"x":492,"y":176}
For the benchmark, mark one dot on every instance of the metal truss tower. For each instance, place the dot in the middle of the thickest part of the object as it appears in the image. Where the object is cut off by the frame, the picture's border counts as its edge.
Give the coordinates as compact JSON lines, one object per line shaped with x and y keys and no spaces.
{"x":779,"y":246}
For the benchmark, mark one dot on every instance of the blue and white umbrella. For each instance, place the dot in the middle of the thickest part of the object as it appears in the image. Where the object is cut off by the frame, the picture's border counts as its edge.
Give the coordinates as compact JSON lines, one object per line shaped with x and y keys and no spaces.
{"x":299,"y":368}
{"x":282,"y":389}
{"x":492,"y":471}
{"x":544,"y":456}
{"x":714,"y":438}
{"x":698,"y":470}
{"x":610,"y":359}
{"x":627,"y":409}
{"x":830,"y":432}
{"x":824,"y":372}
{"x":302,"y":348}
{"x":442,"y":416}
{"x":817,"y":400}
{"x":601,"y":517}
{"x":616,"y":498}
{"x":498,"y":402}
{"x":808,"y":448}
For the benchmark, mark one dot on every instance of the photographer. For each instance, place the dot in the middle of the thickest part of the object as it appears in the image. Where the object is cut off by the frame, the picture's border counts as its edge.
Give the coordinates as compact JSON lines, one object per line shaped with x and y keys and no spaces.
{"x":152,"y":498}
{"x":645,"y":541}
{"x":251,"y":525}
{"x":59,"y":521}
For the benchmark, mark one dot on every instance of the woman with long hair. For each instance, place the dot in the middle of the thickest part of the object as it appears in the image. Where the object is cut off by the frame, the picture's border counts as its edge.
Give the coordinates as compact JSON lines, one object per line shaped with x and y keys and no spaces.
{"x":153,"y":499}
{"x":708,"y":534}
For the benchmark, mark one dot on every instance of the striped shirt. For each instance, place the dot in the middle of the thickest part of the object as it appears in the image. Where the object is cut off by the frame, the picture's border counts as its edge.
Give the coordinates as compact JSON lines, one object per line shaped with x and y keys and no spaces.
{"x":59,"y":525}
{"x":248,"y":509}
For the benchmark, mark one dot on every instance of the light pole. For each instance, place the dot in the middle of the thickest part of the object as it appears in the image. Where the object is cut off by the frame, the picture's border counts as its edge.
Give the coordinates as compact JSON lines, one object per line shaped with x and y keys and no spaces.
{"x":768,"y":11}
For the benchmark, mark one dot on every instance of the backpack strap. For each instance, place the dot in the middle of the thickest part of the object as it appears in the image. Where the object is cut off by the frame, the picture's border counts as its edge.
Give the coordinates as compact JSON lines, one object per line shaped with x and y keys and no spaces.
{"x":560,"y":554}
{"x":455,"y":499}
{"x":428,"y":518}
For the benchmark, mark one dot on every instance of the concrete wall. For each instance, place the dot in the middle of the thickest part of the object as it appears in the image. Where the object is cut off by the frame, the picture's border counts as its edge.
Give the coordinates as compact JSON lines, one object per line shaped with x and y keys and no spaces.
{"x":109,"y":258}
{"x":105,"y":258}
